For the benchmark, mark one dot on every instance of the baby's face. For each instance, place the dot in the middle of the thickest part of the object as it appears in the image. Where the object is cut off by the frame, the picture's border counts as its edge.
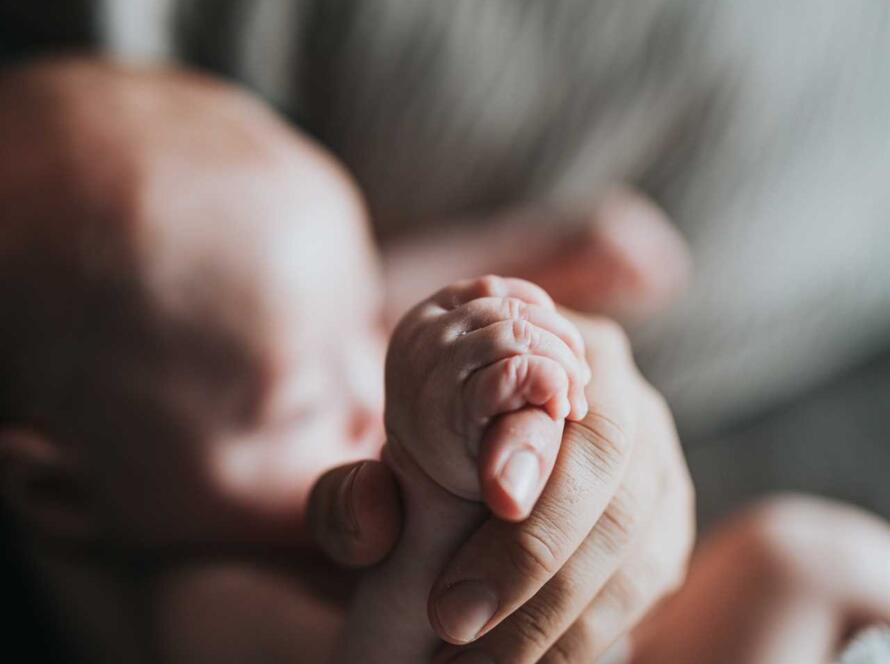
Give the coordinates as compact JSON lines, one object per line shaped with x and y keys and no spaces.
{"x":323,"y":402}
{"x":300,"y":292}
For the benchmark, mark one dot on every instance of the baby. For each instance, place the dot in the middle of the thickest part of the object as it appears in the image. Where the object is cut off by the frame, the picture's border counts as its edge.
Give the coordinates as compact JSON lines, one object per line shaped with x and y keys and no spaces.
{"x":197,"y":338}
{"x":191,"y":335}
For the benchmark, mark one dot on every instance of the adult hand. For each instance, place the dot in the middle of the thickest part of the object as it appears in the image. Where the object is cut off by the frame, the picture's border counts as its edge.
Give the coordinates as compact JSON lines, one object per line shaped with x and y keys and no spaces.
{"x":613,"y":529}
{"x":608,"y":538}
{"x":621,"y":258}
{"x":804,"y":574}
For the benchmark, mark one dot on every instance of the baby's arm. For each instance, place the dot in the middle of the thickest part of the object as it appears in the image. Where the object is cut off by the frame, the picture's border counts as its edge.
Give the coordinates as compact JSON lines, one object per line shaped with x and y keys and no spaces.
{"x":463,"y":368}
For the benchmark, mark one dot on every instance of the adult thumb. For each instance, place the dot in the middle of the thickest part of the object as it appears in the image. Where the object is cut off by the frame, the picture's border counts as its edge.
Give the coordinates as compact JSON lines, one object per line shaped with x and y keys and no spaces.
{"x":354,"y":513}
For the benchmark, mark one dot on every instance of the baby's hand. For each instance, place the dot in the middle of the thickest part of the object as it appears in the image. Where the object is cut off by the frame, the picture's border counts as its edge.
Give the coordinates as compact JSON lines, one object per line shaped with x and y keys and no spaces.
{"x":475,"y":350}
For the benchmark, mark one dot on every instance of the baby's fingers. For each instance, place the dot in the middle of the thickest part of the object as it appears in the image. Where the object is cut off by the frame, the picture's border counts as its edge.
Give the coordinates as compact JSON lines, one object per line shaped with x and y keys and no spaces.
{"x":518,"y":381}
{"x":486,"y":311}
{"x":505,"y":339}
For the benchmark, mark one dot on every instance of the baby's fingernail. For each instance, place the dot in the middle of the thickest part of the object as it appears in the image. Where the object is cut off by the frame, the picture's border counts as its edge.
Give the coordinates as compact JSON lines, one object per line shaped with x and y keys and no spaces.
{"x":519,"y":477}
{"x":465,"y":609}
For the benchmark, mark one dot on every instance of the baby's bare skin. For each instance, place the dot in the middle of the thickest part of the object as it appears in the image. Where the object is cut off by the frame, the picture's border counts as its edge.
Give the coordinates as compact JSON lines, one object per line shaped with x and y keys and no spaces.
{"x":475,"y":350}
{"x":463,"y":367}
{"x":196,"y":339}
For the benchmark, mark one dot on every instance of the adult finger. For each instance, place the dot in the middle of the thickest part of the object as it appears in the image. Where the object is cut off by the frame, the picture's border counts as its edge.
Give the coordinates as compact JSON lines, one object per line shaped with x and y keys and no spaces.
{"x":657,"y":567}
{"x":354,"y":513}
{"x":516,"y":457}
{"x":530,"y":632}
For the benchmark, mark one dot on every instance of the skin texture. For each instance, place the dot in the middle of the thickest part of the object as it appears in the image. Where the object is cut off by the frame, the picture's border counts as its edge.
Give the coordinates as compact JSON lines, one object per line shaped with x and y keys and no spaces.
{"x":466,"y":369}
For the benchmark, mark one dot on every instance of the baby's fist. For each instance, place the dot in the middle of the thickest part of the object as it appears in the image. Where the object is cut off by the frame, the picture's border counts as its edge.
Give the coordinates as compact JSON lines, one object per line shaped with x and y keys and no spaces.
{"x":474,"y":351}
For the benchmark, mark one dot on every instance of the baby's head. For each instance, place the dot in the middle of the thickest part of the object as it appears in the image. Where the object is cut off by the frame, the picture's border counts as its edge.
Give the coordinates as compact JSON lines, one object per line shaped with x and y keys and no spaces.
{"x":190,"y":328}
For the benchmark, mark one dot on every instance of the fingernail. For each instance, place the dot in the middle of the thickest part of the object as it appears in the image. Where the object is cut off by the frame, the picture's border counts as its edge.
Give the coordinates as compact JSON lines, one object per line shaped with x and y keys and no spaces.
{"x":346,"y":502}
{"x":519,"y":477}
{"x":472,"y":657}
{"x":464,"y":610}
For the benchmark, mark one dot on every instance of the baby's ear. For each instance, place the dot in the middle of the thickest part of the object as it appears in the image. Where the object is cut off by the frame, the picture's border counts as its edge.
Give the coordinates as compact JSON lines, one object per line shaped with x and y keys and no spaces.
{"x":42,"y":487}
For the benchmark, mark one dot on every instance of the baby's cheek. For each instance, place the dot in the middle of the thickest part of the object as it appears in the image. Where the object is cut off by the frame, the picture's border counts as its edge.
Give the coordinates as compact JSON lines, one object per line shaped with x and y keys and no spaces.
{"x":270,"y":478}
{"x":266,"y":479}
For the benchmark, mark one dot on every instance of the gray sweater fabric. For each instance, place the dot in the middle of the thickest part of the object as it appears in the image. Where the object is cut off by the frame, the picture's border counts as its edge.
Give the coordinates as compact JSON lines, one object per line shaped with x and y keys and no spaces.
{"x":871,"y":646}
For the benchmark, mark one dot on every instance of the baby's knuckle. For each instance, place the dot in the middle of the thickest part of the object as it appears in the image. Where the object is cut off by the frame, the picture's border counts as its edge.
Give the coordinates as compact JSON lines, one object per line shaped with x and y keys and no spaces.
{"x":521,"y":333}
{"x":514,"y":308}
{"x":516,"y":371}
{"x":490,"y":285}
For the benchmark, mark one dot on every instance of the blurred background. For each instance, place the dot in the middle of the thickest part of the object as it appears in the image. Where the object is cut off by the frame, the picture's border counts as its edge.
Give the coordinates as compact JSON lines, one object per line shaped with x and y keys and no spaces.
{"x":762,"y":128}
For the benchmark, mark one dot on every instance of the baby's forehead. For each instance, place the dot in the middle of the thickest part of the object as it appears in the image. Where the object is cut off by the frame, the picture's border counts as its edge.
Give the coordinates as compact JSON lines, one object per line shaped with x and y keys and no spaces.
{"x":186,"y":190}
{"x":181,"y":171}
